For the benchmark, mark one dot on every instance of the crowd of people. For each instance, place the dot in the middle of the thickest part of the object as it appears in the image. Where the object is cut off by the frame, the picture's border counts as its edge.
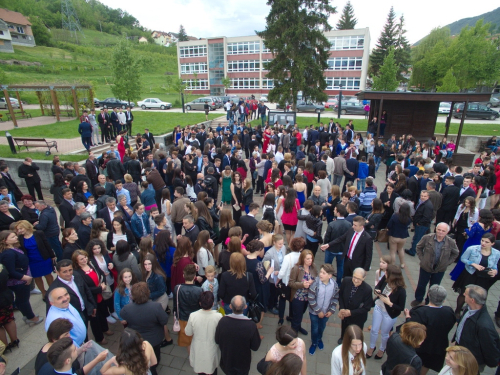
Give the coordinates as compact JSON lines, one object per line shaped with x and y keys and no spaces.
{"x":134,"y":229}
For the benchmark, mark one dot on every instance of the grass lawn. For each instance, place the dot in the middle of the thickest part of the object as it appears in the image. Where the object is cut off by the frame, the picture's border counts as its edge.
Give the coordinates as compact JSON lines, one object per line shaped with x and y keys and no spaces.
{"x":6,"y":153}
{"x":157,"y":122}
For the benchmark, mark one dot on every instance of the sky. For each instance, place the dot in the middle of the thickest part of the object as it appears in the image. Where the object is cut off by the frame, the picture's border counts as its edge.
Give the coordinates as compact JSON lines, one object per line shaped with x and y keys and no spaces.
{"x":202,"y":18}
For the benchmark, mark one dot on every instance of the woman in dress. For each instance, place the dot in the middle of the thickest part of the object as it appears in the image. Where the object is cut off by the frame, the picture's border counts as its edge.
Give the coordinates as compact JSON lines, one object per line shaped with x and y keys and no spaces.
{"x":349,"y":358}
{"x":475,"y":234}
{"x":236,"y":193}
{"x":96,"y":281}
{"x":459,"y":361}
{"x":82,"y":192}
{"x":390,"y":301}
{"x":267,"y":137}
{"x":259,"y":273}
{"x":122,"y":293}
{"x":275,"y":254}
{"x":265,"y":229}
{"x":247,"y":194}
{"x":29,"y":211}
{"x":120,"y":144}
{"x":8,"y":215}
{"x":467,"y":214}
{"x":388,"y":197}
{"x":301,"y":189}
{"x":40,"y":254}
{"x":227,"y":178}
{"x":302,"y":276}
{"x":480,"y":263}
{"x":164,"y":248}
{"x":289,"y":217}
{"x":119,"y":232}
{"x":288,"y":342}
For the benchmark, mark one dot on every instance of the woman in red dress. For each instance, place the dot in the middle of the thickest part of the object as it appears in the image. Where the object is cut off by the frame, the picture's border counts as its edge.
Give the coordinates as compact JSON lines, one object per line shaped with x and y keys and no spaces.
{"x":267,"y":137}
{"x":120,"y":141}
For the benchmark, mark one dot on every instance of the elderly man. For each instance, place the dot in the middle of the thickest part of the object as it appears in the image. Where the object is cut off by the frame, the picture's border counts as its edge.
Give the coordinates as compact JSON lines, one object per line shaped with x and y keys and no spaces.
{"x":49,"y":224}
{"x":476,"y":331}
{"x":436,"y":252}
{"x":61,"y":308}
{"x":79,"y":209}
{"x":355,"y":301}
{"x":439,"y":321}
{"x":237,"y":336}
{"x":109,"y":187}
{"x":190,"y":228}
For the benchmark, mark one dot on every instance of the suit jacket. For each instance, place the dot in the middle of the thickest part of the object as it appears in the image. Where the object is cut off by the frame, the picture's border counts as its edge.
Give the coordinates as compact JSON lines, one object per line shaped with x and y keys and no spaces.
{"x":114,"y":118}
{"x":102,"y":120}
{"x":423,"y":214}
{"x":353,"y":166}
{"x":459,"y":180}
{"x":151,"y":139}
{"x":24,"y":170}
{"x":88,"y":299}
{"x":334,"y":230}
{"x":248,"y":225}
{"x":201,"y":137}
{"x":131,"y":117}
{"x":360,"y":303}
{"x":67,"y":212}
{"x":467,"y":193}
{"x":414,"y":186}
{"x":92,"y":171}
{"x":362,"y":253}
{"x":85,"y":130}
{"x":451,"y":195}
{"x":76,"y":223}
{"x":104,"y":214}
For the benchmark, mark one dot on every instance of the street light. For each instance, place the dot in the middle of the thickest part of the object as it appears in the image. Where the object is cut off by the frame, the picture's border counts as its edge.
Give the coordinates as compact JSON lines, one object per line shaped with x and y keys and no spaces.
{"x":340,"y":101}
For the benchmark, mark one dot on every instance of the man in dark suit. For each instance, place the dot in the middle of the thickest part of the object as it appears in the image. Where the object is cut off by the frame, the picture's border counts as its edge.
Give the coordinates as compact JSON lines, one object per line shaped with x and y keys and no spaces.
{"x":6,"y":180}
{"x":115,"y":122}
{"x":28,"y":171}
{"x":466,"y":190}
{"x":422,"y":220}
{"x":353,"y":166}
{"x":105,"y":125}
{"x":109,"y":187}
{"x":107,"y":213}
{"x":82,"y":176}
{"x":76,"y":222}
{"x":202,"y":137}
{"x":320,"y":165}
{"x":149,"y":137}
{"x":248,"y":223}
{"x":92,"y":170}
{"x":80,"y":295}
{"x":130,"y":118}
{"x":354,"y":307}
{"x":66,"y":207}
{"x":414,"y":185}
{"x":451,"y":195}
{"x":358,"y":247}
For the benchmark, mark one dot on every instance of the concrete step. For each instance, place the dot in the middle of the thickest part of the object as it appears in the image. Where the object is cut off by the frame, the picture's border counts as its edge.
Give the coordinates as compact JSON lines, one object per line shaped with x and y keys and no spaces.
{"x":99,"y":149}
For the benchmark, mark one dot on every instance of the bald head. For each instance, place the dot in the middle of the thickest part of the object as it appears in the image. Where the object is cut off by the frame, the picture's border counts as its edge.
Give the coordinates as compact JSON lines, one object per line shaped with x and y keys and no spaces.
{"x":238,"y":304}
{"x":199,"y":176}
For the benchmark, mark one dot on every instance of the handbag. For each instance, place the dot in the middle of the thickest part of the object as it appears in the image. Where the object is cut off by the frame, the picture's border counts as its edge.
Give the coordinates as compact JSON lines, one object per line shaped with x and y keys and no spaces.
{"x":383,"y":235}
{"x":107,"y":293}
{"x":255,"y":308}
{"x":177,"y":325}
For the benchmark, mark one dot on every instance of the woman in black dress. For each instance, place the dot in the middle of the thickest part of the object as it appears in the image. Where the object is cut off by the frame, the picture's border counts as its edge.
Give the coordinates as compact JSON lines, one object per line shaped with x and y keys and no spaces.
{"x":190,"y":168}
{"x":237,"y":198}
{"x":28,"y":211}
{"x":8,"y":215}
{"x":388,"y":197}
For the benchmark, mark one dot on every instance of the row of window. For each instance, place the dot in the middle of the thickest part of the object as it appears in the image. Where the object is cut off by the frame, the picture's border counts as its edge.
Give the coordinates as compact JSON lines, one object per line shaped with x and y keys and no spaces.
{"x":191,"y":68}
{"x":345,"y":83}
{"x":345,"y":63}
{"x":193,"y":84}
{"x":192,"y":51}
{"x":347,"y":42}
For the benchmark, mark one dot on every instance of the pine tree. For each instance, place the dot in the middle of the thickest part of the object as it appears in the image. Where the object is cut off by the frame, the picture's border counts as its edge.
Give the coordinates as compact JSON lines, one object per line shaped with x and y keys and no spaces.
{"x":449,"y":83}
{"x":182,"y":37}
{"x":402,"y":52}
{"x":387,"y":79}
{"x":294,"y":31}
{"x":347,"y":20}
{"x":385,"y":41}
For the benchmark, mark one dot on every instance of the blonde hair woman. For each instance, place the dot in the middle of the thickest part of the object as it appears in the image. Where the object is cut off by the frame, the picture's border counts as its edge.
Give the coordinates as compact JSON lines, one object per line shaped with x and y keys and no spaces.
{"x":459,"y":361}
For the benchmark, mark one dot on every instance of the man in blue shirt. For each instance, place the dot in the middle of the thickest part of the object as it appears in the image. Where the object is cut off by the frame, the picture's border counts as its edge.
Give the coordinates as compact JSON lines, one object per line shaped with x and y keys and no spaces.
{"x":120,"y":190}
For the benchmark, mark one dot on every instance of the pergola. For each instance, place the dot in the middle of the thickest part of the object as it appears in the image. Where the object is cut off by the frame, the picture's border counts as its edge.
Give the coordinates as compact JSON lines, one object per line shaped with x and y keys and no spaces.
{"x":416,"y":113}
{"x":53,"y":89}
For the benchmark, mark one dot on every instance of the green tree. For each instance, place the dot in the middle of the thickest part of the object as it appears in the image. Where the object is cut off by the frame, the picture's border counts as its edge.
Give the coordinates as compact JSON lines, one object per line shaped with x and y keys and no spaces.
{"x":402,"y":51}
{"x":182,"y":36}
{"x":449,"y":83}
{"x":347,"y":20}
{"x":175,"y":84}
{"x":40,"y":32}
{"x":387,"y":79}
{"x":126,"y":72}
{"x":226,"y":81}
{"x":387,"y":39}
{"x":294,"y":31}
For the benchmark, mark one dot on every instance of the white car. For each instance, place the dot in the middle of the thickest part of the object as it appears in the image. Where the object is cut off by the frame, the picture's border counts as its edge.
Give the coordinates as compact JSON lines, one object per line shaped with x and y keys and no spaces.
{"x":444,"y":108}
{"x":263,"y":99}
{"x":13,"y":102}
{"x":154,"y":103}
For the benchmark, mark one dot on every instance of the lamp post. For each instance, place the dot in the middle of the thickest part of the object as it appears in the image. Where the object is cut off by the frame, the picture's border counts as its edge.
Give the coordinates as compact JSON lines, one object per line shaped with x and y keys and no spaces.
{"x":340,"y":101}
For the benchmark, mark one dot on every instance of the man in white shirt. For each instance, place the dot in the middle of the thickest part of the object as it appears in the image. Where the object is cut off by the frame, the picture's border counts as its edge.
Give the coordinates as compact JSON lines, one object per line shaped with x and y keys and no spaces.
{"x":122,"y":119}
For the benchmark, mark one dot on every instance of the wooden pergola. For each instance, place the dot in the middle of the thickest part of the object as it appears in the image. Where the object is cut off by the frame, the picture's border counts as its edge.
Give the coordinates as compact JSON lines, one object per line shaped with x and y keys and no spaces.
{"x":54,"y":89}
{"x":416,"y":113}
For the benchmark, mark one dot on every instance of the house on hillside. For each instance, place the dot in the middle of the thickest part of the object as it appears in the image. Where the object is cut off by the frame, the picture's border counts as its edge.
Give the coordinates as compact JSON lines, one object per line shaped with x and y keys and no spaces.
{"x":143,"y":40}
{"x":18,"y":27}
{"x":163,"y":39}
{"x":5,"y":38}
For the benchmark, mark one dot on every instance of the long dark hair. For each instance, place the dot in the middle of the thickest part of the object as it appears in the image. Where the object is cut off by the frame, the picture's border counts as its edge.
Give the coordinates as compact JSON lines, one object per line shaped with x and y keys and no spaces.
{"x":59,"y":180}
{"x":155,"y":267}
{"x":203,"y":211}
{"x":404,"y":213}
{"x":291,"y":196}
{"x":93,"y":243}
{"x":121,"y":222}
{"x":122,"y":250}
{"x":163,"y":243}
{"x":131,"y":354}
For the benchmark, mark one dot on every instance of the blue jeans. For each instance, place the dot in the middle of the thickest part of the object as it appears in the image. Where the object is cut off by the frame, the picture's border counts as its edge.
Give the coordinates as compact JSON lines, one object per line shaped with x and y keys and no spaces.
{"x":242,"y":117}
{"x":425,"y":278}
{"x":361,"y":184}
{"x":22,"y":294}
{"x":377,"y":162}
{"x":298,"y":310}
{"x":317,"y":327}
{"x":329,"y":256}
{"x":337,"y":179}
{"x":263,"y":118}
{"x":419,"y":233}
{"x":55,"y":244}
{"x":228,"y":115}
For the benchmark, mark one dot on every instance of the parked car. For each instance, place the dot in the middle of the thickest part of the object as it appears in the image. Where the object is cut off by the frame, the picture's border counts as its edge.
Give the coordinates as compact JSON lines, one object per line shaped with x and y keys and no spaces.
{"x":113,"y":103}
{"x":331,"y":102}
{"x":475,"y":110}
{"x":444,"y":107}
{"x":494,"y":100}
{"x":96,"y":103}
{"x":263,"y":98}
{"x":350,"y":108}
{"x":199,"y":104}
{"x":13,"y":102}
{"x":303,"y":106}
{"x":218,"y":100}
{"x":154,"y":103}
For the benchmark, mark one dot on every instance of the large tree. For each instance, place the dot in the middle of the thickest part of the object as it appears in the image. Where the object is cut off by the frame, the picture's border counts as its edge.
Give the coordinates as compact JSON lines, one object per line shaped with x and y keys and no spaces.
{"x":387,"y":79}
{"x":126,"y":72}
{"x":449,"y":83}
{"x":347,"y":20}
{"x":385,"y":41}
{"x":294,"y":33}
{"x":402,"y":50}
{"x":182,"y":36}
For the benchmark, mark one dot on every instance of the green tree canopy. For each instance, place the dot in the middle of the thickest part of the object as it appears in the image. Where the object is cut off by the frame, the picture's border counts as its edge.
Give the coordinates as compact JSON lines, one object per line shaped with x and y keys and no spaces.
{"x":449,"y":83}
{"x":387,"y":79}
{"x":347,"y":20}
{"x":182,"y":36}
{"x":402,"y":51}
{"x":40,"y":32}
{"x":294,"y":32}
{"x":385,"y":41}
{"x":126,"y":72}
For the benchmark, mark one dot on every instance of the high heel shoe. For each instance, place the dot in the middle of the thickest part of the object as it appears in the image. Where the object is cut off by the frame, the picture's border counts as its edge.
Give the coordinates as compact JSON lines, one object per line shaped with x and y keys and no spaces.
{"x":369,"y":356}
{"x":12,"y":344}
{"x":31,"y":323}
{"x":382,"y":356}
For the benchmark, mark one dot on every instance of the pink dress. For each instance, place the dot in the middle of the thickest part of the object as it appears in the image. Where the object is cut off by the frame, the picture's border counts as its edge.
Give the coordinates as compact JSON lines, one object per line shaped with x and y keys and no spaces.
{"x":290,"y":218}
{"x":121,"y":148}
{"x":277,"y":355}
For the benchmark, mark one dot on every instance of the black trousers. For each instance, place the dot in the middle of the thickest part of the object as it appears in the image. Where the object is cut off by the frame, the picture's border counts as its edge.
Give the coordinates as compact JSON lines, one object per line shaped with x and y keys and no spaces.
{"x":178,"y":228}
{"x":348,"y":267}
{"x":36,"y":186}
{"x":158,"y":198}
{"x":103,"y":130}
{"x":98,"y":323}
{"x":157,"y":351}
{"x":129,"y":127}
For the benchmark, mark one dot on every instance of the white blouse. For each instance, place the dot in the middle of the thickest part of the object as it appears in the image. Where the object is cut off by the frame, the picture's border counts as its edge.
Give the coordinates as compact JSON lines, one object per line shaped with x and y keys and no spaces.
{"x":337,"y":361}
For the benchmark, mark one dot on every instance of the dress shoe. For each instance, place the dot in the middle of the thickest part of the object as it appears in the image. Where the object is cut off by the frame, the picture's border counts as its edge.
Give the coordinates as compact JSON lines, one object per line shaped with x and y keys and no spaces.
{"x":409,"y":253}
{"x":303,"y":331}
{"x":166,"y":343}
{"x":415,"y":303}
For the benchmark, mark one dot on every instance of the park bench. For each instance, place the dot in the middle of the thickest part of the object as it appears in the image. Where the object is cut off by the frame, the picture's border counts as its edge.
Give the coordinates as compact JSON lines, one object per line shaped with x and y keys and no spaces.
{"x":35,"y":142}
{"x":19,"y":114}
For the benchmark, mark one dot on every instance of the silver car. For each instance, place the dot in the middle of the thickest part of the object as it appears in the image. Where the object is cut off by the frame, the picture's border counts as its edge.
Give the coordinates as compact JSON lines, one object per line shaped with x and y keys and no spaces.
{"x":13,"y":102}
{"x":199,"y":104}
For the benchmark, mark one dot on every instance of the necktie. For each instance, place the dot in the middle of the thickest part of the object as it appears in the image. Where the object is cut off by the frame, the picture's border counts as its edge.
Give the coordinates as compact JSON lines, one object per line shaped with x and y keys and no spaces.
{"x":351,"y":247}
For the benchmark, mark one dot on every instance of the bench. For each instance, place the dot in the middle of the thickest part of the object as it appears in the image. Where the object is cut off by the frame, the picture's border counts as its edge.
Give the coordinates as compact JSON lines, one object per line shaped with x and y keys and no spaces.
{"x":20,"y":114}
{"x":35,"y":142}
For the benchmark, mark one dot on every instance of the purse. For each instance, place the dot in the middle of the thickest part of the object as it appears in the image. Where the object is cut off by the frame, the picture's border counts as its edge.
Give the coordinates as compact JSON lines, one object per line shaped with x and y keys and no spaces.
{"x":177,"y":325}
{"x":255,"y":308}
{"x":107,"y":293}
{"x":383,"y":235}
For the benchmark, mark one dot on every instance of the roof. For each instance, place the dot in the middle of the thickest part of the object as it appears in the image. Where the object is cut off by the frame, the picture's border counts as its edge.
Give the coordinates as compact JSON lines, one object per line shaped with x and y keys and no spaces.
{"x":13,"y":17}
{"x":425,"y":96}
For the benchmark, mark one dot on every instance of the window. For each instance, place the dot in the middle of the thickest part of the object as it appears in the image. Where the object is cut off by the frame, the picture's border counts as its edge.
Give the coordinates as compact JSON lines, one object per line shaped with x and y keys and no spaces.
{"x":347,"y":42}
{"x":345,"y":63}
{"x":1,"y":32}
{"x":265,"y":49}
{"x":243,"y":66}
{"x":242,"y":48}
{"x":193,"y":51}
{"x":20,"y":29}
{"x":267,"y":83}
{"x":348,"y":83}
{"x":264,"y":64}
{"x":244,"y":83}
{"x":14,"y":36}
{"x":24,"y":37}
{"x":11,"y":27}
{"x":191,"y":68}
{"x":200,"y":84}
